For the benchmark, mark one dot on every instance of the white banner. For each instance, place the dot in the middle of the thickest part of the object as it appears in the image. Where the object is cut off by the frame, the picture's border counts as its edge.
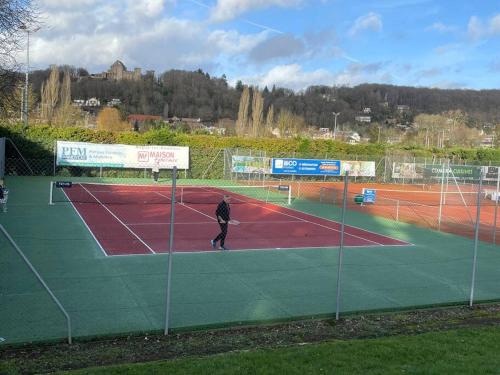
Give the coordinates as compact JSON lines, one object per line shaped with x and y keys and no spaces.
{"x":358,"y":168}
{"x":250,"y":164}
{"x":121,"y":156}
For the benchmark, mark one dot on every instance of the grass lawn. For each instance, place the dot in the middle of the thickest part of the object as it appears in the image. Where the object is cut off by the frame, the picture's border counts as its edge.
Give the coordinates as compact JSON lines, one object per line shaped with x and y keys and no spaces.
{"x":463,"y":351}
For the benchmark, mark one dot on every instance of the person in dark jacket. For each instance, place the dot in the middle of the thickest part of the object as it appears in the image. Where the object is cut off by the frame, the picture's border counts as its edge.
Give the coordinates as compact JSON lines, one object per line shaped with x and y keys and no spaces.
{"x":223,"y":215}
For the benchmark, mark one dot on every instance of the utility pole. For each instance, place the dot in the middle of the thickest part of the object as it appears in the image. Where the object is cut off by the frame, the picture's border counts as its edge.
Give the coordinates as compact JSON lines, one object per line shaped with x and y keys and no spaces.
{"x":335,"y":126}
{"x":25,"y":93}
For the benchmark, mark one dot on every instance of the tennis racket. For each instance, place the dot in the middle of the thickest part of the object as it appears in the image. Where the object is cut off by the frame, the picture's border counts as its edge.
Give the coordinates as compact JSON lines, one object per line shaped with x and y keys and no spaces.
{"x":234,"y":222}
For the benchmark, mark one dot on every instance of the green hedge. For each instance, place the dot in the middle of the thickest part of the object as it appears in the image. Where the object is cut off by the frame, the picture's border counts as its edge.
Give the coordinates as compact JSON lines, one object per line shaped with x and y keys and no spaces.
{"x":37,"y":141}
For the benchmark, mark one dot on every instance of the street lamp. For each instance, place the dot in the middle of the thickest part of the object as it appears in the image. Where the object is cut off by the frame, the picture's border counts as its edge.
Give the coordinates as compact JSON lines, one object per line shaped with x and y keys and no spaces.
{"x":25,"y":93}
{"x":335,"y":126}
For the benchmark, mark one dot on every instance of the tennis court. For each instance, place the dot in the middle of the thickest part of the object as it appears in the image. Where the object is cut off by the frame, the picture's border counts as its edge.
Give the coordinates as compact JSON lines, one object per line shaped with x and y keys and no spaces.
{"x":132,"y":219}
{"x":106,"y":295}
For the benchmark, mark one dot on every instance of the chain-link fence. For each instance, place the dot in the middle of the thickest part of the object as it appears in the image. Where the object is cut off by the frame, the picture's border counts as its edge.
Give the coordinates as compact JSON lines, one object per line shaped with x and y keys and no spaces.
{"x":428,"y":239}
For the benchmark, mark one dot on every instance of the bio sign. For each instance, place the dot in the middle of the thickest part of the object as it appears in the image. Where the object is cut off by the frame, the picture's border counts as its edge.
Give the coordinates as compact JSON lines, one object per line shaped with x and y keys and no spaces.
{"x":306,"y":167}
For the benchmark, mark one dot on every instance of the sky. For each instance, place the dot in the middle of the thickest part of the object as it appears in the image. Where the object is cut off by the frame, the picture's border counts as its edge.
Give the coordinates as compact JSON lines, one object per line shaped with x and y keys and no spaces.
{"x":287,"y":43}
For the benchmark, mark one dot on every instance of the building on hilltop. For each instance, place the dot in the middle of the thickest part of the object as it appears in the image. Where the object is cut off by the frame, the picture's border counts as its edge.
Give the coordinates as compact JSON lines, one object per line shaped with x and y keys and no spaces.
{"x":118,"y":72}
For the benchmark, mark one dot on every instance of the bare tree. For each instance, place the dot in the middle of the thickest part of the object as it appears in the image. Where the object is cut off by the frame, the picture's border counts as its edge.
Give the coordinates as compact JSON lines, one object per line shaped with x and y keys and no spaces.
{"x":15,"y":15}
{"x":270,"y":120}
{"x":257,"y":113}
{"x":243,"y":112}
{"x":50,"y":94}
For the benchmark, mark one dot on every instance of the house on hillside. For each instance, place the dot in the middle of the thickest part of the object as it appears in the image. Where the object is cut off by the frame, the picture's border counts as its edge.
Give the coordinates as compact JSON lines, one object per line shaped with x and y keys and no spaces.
{"x":363,"y":118}
{"x":353,"y":138}
{"x":113,"y":102}
{"x":93,"y":102}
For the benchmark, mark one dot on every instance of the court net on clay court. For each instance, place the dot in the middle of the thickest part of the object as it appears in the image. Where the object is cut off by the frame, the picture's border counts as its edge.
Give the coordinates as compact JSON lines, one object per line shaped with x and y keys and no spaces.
{"x":115,"y":193}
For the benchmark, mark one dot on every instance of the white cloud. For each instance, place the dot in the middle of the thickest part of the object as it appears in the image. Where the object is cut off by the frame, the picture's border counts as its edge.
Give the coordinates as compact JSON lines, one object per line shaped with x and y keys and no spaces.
{"x":137,"y":32}
{"x":291,"y":76}
{"x":148,"y":8}
{"x":295,"y":77}
{"x":370,"y":21}
{"x":441,"y":27}
{"x":226,"y":10}
{"x":477,"y":29}
{"x":495,"y":25}
{"x":232,"y":42}
{"x":73,"y":4}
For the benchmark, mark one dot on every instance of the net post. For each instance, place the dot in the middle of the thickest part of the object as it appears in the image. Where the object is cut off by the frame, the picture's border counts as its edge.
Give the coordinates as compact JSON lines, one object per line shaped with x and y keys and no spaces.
{"x":170,"y":250}
{"x":397,"y":210}
{"x":40,"y":279}
{"x":441,"y":196}
{"x":51,"y":192}
{"x":341,"y":248}
{"x":476,"y":240}
{"x":290,"y":194}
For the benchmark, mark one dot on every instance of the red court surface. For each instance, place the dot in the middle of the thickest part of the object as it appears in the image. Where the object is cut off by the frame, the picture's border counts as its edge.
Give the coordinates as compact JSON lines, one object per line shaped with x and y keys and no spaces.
{"x":138,"y":224}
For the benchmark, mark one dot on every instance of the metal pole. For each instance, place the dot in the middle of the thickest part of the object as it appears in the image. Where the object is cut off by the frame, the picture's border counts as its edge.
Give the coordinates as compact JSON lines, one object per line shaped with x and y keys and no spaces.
{"x":55,"y":158}
{"x":341,"y":249}
{"x":441,"y":198}
{"x":170,"y":249}
{"x":496,"y":207}
{"x":476,"y":240}
{"x":32,"y":268}
{"x":26,"y":81}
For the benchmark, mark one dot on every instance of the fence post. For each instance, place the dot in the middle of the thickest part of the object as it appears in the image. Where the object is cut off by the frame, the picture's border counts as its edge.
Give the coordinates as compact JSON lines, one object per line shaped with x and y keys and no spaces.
{"x":441,"y":197}
{"x":496,"y":207}
{"x":170,"y":249}
{"x":341,"y":248}
{"x":55,"y":159}
{"x":476,"y":239}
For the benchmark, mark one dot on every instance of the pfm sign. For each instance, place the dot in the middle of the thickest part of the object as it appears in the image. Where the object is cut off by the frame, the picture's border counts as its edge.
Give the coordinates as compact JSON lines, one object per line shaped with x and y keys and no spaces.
{"x":74,"y":153}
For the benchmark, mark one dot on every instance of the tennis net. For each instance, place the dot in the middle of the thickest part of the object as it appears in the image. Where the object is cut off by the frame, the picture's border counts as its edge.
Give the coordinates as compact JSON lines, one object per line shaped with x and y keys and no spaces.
{"x":109,"y":193}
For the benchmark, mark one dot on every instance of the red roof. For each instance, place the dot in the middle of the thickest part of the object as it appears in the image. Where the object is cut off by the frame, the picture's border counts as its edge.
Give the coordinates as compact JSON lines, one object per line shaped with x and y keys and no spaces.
{"x":142,"y":118}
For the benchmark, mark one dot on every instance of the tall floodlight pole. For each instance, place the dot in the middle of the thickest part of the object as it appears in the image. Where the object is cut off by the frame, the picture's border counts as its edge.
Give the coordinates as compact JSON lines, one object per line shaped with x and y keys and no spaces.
{"x":335,"y":126}
{"x":26,"y":81}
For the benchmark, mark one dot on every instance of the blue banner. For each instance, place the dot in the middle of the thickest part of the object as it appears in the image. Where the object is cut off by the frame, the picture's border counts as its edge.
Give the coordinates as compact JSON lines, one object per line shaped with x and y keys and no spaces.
{"x":306,"y":167}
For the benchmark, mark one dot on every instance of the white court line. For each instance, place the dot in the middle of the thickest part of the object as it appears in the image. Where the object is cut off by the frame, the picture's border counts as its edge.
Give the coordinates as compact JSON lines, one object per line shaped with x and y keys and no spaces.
{"x":211,"y":222}
{"x":121,"y":222}
{"x":311,"y":222}
{"x":195,"y":210}
{"x":86,"y":225}
{"x":212,"y":251}
{"x":322,"y":218}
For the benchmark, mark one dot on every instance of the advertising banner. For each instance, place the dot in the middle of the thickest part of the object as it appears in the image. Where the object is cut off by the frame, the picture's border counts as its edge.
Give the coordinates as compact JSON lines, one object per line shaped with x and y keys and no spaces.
{"x":462,"y":172}
{"x":407,"y":170}
{"x":369,"y":195}
{"x":306,"y":167}
{"x":2,"y":157}
{"x":250,"y":164}
{"x":121,"y":156}
{"x":358,"y":168}
{"x":491,"y":173}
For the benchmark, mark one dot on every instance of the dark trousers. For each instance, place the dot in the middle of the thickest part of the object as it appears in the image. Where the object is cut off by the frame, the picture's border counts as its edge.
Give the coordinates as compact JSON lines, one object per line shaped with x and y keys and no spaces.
{"x":156,"y":175}
{"x":222,"y":235}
